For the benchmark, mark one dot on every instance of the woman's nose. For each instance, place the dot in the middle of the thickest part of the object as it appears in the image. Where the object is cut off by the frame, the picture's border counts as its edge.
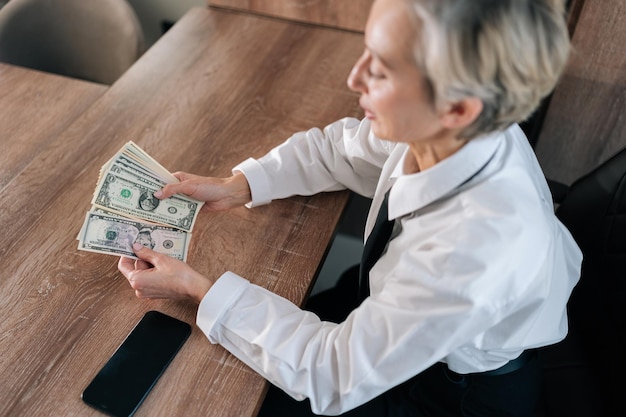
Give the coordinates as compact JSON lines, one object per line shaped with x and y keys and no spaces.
{"x":355,"y":79}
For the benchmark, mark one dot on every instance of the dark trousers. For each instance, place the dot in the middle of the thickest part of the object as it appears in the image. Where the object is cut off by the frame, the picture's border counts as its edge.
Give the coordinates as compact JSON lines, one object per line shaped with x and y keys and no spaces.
{"x":436,"y":392}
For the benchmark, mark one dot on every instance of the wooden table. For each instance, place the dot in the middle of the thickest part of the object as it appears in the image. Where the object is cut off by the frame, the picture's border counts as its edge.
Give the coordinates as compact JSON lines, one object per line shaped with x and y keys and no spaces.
{"x":217,"y":88}
{"x":350,"y":15}
{"x":35,"y":108}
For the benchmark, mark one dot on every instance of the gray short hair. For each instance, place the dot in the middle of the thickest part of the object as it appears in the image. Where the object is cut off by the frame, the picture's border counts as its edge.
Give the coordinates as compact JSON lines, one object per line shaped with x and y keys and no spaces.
{"x":508,"y":53}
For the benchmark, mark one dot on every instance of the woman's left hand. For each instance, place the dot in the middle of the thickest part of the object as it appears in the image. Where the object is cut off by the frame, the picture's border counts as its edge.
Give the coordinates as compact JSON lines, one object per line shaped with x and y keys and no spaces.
{"x":155,"y":275}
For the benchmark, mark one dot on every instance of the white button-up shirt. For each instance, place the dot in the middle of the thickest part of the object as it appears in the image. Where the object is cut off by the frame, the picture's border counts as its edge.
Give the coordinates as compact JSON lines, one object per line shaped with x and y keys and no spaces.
{"x":478,"y":268}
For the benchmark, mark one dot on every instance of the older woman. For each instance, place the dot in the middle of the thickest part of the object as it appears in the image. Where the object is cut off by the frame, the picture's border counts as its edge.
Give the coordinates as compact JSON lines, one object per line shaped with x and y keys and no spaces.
{"x":477,"y":270}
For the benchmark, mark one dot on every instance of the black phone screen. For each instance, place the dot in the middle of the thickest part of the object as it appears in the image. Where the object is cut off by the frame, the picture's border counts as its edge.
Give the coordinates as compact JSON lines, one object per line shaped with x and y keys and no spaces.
{"x":126,"y":379}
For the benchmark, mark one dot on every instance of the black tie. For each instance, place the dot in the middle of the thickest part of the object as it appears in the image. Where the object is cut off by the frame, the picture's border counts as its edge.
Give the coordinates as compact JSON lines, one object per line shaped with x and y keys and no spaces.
{"x":376,"y":243}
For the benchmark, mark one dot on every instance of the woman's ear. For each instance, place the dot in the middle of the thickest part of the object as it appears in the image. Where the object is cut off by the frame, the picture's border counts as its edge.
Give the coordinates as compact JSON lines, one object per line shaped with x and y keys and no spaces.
{"x":459,"y":115}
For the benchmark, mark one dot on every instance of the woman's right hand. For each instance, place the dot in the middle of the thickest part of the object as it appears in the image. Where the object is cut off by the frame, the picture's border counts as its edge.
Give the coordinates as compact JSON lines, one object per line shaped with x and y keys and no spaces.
{"x":218,"y":193}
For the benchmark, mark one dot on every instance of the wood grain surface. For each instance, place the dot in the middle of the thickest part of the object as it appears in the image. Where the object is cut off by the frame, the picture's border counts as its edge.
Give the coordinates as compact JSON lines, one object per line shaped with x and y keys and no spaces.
{"x":36,"y":107}
{"x":350,"y":15}
{"x":217,"y":88}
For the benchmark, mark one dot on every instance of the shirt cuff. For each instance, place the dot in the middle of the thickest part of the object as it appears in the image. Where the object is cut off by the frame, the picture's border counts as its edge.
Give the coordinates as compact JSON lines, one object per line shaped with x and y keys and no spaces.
{"x":257,"y":180}
{"x":222,"y":295}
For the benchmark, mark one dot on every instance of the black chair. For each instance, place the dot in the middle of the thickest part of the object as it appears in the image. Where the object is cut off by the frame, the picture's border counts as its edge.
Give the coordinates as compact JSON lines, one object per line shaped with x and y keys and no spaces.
{"x":94,"y":40}
{"x":583,"y":375}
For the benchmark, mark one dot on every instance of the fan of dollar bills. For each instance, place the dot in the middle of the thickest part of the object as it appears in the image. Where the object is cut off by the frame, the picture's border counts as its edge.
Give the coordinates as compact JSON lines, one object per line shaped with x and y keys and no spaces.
{"x":124,"y":209}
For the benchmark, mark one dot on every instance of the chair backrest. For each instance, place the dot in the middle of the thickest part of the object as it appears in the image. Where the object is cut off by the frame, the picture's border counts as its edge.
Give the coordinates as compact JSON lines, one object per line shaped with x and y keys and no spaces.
{"x":592,"y":359}
{"x":95,"y":40}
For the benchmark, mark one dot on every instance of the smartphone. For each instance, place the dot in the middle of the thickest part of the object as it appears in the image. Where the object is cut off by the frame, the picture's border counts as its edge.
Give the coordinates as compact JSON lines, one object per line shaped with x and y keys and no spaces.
{"x":125,"y":380}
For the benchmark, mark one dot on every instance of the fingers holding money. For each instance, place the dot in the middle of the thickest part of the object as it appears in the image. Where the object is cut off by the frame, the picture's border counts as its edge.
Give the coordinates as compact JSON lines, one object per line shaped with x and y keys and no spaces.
{"x":141,"y":264}
{"x":156,"y":275}
{"x":189,"y":185}
{"x":218,"y":194}
{"x":124,"y":209}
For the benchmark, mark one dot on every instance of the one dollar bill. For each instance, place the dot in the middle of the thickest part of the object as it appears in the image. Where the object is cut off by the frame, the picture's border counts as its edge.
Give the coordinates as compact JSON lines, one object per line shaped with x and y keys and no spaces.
{"x":124,"y":209}
{"x":135,"y":198}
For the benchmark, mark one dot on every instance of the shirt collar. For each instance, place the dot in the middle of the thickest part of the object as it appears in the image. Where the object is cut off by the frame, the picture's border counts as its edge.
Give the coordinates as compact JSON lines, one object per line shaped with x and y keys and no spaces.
{"x":414,"y":191}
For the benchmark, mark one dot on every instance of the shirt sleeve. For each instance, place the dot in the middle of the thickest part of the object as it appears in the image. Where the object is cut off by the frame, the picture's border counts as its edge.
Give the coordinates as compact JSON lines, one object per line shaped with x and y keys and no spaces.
{"x":345,"y":154}
{"x":393,"y":335}
{"x":437,"y":295}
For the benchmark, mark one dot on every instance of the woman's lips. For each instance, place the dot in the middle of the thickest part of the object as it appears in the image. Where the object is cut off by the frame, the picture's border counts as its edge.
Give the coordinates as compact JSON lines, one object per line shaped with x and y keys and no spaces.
{"x":368,"y":113}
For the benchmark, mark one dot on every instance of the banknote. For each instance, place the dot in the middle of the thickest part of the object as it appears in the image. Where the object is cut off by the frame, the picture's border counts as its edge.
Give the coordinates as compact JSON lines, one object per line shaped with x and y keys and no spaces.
{"x":134,"y":152}
{"x":135,"y":199}
{"x":109,"y":234}
{"x":124,"y":209}
{"x":134,"y":166}
{"x":127,"y":161}
{"x":127,"y":157}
